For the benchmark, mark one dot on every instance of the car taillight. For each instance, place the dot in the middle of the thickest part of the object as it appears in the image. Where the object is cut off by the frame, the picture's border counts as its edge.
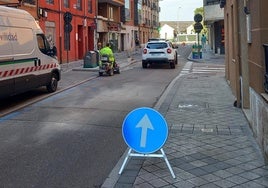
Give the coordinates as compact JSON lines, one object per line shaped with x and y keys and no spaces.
{"x":169,"y":51}
{"x":145,"y":51}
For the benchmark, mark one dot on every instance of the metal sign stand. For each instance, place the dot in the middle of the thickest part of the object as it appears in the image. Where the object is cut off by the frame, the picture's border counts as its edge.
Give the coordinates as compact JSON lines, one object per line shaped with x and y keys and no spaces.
{"x":163,"y":155}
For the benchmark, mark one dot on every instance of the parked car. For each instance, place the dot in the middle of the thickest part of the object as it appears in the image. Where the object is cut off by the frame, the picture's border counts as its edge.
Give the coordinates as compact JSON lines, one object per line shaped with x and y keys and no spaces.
{"x":159,"y":52}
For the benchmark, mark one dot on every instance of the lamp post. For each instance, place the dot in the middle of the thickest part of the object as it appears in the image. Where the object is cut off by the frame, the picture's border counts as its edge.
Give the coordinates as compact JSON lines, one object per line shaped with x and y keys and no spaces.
{"x":178,"y":25}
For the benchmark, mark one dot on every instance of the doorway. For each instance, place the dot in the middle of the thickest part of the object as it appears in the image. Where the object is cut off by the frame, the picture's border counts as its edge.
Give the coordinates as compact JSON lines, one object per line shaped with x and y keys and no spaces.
{"x":80,"y":42}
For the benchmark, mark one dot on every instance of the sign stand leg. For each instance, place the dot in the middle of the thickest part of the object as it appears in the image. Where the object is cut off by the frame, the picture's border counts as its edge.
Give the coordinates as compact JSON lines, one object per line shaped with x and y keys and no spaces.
{"x":125,"y":161}
{"x":163,"y":155}
{"x":168,"y":164}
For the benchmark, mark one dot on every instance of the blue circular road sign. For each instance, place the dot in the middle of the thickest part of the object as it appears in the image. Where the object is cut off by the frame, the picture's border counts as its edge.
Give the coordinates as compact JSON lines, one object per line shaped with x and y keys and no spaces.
{"x":145,"y":130}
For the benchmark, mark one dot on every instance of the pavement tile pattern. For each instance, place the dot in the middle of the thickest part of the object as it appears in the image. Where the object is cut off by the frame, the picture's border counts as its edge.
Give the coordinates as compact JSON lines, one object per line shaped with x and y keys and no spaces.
{"x":210,"y":143}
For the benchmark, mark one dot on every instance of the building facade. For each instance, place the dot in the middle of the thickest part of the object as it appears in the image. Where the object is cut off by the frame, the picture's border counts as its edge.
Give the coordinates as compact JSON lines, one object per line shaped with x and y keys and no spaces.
{"x":74,"y":41}
{"x":246,"y":29}
{"x":149,"y":27}
{"x":130,"y":22}
{"x":109,"y":26}
{"x":78,"y":26}
{"x":214,"y":21}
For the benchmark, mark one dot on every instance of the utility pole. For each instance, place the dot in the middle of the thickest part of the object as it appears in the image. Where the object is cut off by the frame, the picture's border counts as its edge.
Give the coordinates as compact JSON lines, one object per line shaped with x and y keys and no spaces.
{"x":178,"y":25}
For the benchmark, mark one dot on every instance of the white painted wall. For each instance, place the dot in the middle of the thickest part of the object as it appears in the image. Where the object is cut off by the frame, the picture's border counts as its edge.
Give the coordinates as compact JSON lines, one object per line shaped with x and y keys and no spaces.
{"x":167,"y":32}
{"x":190,"y":30}
{"x":213,"y":12}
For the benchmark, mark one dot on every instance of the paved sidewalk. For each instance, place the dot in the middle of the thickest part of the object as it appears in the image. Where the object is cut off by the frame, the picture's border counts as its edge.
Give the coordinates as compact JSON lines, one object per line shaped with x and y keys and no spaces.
{"x":210,"y":143}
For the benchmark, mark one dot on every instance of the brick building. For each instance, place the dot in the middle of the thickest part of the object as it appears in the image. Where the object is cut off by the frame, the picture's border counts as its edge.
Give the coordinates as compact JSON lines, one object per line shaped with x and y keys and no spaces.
{"x":119,"y":22}
{"x":81,"y":33}
{"x":109,"y":22}
{"x":246,"y":32}
{"x":50,"y":16}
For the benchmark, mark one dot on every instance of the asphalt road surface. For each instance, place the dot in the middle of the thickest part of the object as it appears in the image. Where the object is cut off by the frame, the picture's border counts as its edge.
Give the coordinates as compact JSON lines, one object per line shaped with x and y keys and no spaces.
{"x":73,"y":138}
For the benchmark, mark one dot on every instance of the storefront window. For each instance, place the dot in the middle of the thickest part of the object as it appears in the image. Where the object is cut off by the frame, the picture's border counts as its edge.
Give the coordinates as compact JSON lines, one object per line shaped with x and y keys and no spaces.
{"x":113,"y":40}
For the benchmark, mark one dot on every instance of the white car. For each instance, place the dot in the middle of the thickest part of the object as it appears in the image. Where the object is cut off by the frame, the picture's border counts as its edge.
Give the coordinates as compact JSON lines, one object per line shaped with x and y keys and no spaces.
{"x":159,"y":52}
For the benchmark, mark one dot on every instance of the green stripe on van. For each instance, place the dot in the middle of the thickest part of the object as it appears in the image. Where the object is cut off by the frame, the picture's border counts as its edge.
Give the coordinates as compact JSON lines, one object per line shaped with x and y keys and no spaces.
{"x":9,"y":62}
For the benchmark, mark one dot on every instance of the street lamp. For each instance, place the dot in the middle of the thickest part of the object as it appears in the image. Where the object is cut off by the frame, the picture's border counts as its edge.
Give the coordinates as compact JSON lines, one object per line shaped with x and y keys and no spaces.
{"x":178,"y":25}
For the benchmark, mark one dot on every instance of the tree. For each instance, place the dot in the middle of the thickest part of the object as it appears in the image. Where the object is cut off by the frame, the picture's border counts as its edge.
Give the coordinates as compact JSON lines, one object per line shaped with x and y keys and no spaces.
{"x":199,"y":11}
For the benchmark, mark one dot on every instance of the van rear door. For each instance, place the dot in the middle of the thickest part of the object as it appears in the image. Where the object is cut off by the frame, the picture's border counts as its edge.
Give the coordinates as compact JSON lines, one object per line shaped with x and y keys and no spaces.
{"x":25,"y":61}
{"x":6,"y":62}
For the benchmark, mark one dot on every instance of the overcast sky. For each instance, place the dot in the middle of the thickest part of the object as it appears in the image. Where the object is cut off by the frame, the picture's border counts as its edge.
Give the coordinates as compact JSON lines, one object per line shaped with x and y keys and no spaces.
{"x":182,"y":10}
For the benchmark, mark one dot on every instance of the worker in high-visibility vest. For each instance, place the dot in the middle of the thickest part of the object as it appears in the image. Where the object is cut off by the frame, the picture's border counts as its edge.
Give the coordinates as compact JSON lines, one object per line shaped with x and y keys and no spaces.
{"x":108,"y":51}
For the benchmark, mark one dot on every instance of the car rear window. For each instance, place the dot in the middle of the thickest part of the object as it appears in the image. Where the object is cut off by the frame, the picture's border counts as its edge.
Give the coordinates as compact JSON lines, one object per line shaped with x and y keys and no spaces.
{"x":157,"y":45}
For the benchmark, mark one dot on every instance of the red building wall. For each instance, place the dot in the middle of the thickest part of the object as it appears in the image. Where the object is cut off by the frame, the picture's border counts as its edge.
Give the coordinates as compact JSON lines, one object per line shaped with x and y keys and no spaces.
{"x":82,"y":36}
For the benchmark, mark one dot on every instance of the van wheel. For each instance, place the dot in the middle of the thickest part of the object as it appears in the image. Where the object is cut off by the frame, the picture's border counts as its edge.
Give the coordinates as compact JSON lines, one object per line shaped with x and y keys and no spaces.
{"x":52,"y":86}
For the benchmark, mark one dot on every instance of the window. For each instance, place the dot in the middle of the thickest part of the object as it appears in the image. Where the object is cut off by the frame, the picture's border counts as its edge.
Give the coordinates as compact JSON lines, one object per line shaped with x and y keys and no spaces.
{"x":127,"y":10}
{"x":111,"y":13}
{"x":79,"y":5}
{"x":157,"y":45}
{"x":66,"y":3}
{"x":43,"y":43}
{"x":212,"y":2}
{"x":32,"y":2}
{"x":140,"y":11}
{"x":90,"y":6}
{"x":50,"y":1}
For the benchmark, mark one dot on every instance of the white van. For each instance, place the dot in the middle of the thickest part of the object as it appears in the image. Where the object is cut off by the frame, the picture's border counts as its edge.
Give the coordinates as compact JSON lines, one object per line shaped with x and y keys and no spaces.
{"x":26,"y":59}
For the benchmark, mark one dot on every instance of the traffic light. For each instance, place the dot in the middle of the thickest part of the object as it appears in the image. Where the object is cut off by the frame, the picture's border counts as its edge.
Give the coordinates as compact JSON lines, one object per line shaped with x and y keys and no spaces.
{"x":198,"y":26}
{"x":67,"y":22}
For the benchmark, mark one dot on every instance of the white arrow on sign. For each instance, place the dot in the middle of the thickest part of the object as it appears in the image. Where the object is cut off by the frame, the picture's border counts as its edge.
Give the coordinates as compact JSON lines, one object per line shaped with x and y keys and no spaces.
{"x":144,"y":124}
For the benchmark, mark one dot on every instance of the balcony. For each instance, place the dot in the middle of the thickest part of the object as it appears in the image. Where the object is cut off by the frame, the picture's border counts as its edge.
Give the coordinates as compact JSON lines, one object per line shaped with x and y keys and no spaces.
{"x":211,"y":2}
{"x":213,"y":13}
{"x":113,"y":2}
